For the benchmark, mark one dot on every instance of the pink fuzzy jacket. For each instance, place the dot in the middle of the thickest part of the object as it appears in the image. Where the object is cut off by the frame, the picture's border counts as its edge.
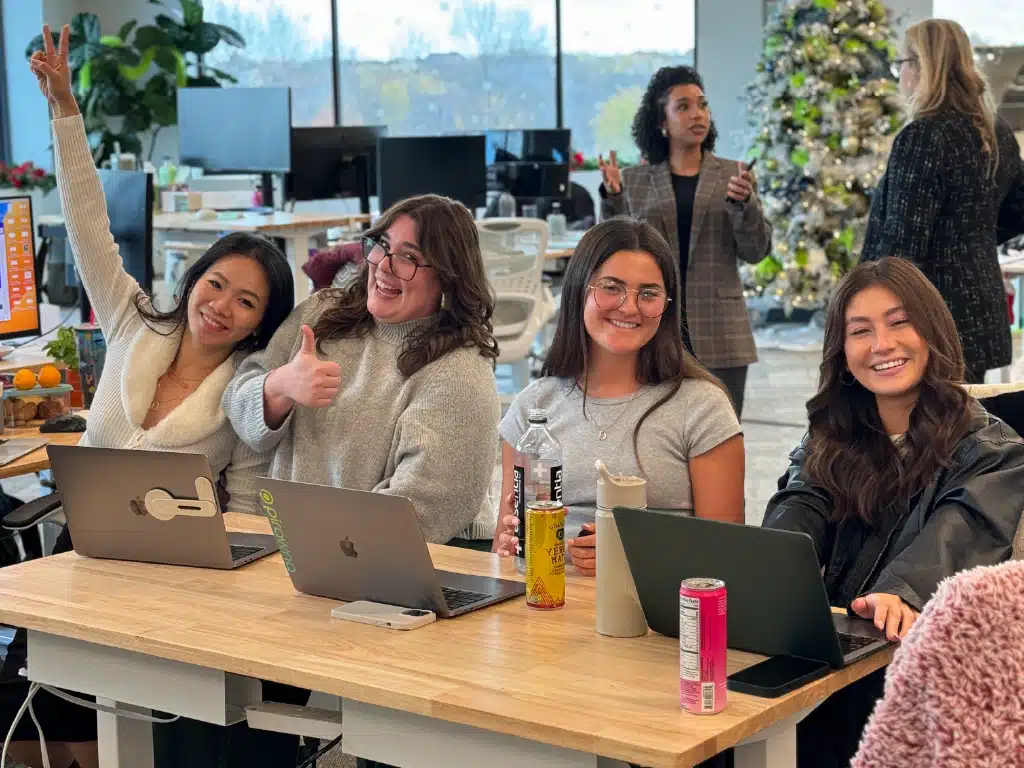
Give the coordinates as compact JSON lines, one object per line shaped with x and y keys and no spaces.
{"x":954,"y":693}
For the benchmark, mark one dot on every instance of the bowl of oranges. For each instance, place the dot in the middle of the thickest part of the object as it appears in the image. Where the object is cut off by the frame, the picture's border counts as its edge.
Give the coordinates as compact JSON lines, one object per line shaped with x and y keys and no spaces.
{"x":31,"y":397}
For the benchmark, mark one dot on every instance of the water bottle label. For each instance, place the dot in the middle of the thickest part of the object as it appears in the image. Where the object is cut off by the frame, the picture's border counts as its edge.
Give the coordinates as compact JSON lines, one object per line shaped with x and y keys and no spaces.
{"x":556,"y":483}
{"x":519,"y":491}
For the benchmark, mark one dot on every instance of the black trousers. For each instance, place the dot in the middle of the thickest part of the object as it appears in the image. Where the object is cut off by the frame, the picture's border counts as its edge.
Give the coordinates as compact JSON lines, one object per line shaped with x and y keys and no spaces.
{"x":735,"y":381}
{"x":830,"y":735}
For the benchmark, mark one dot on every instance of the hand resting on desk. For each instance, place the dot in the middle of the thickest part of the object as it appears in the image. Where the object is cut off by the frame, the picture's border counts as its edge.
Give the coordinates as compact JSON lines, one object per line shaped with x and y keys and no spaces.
{"x":888,"y":612}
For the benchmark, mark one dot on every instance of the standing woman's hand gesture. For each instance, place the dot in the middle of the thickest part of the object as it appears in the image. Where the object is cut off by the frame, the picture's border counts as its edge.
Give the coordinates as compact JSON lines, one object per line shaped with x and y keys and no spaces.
{"x":51,"y":69}
{"x":610,"y":174}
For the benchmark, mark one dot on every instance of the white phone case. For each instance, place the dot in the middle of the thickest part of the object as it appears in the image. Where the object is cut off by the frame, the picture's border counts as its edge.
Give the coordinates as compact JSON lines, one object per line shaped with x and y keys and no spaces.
{"x":383,"y":615}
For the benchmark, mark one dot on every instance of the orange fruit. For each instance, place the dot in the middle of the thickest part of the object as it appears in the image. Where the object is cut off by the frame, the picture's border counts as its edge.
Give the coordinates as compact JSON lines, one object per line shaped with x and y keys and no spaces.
{"x":49,"y":377}
{"x":24,"y":379}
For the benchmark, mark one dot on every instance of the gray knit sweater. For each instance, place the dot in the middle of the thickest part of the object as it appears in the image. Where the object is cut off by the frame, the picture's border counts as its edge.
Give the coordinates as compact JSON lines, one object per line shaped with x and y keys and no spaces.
{"x":431,"y":437}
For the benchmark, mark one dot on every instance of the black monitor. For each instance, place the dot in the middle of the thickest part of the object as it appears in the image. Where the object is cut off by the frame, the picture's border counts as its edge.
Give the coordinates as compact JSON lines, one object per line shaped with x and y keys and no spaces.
{"x":550,"y":145}
{"x":529,"y":164}
{"x":235,"y":130}
{"x":334,"y":162}
{"x":453,"y":166}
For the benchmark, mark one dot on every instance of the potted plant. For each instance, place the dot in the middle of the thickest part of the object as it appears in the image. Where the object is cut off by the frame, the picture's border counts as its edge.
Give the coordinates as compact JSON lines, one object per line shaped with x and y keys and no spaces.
{"x":64,"y":349}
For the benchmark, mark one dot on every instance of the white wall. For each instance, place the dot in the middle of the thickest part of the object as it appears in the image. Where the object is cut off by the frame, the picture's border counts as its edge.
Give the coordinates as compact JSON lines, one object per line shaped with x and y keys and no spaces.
{"x":729,"y":34}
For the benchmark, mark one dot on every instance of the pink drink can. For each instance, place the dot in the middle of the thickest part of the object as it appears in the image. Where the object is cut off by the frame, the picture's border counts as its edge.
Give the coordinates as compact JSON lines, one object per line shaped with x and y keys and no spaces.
{"x":702,"y":642}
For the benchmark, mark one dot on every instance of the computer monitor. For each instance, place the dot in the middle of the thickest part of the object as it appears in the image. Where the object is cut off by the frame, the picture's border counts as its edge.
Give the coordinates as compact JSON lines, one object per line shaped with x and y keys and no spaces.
{"x":529,"y":164}
{"x":334,"y":162}
{"x":453,"y":166}
{"x":235,"y":130}
{"x":19,"y":301}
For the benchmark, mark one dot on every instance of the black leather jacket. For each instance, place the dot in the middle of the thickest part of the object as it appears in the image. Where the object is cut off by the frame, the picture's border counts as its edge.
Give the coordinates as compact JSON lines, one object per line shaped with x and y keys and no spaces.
{"x":967,"y":516}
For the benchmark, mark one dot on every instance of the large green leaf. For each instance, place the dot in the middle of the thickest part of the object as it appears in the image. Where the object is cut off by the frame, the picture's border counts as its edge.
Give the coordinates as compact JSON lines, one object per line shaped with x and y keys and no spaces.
{"x":230,"y":36}
{"x":86,"y":25}
{"x":177,"y":34}
{"x":192,"y":12}
{"x":203,"y":39}
{"x":151,"y":37}
{"x":166,"y":60}
{"x":126,"y":57}
{"x":126,"y":29}
{"x":138,"y":120}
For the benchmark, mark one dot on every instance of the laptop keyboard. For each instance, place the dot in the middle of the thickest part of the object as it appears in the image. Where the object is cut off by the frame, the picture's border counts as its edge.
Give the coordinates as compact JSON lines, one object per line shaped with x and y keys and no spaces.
{"x":238,"y":551}
{"x":850,"y":643}
{"x":459,"y":598}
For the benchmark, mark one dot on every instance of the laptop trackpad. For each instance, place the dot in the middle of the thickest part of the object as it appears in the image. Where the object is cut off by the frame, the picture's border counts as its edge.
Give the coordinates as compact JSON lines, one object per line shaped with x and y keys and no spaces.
{"x":854,"y":625}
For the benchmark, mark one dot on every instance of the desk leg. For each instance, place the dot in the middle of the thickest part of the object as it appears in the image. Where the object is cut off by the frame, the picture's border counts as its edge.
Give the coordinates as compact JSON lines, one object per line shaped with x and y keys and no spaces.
{"x":298,"y":254}
{"x":774,"y":747}
{"x":123,"y":743}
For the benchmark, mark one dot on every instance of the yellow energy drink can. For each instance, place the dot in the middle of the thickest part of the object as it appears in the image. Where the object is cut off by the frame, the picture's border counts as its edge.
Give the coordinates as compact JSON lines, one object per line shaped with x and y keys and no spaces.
{"x":545,"y":555}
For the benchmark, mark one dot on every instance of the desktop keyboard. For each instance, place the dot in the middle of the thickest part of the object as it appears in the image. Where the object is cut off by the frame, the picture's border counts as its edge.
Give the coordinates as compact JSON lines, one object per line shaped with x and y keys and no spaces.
{"x":238,"y":551}
{"x":459,"y":598}
{"x":850,"y":643}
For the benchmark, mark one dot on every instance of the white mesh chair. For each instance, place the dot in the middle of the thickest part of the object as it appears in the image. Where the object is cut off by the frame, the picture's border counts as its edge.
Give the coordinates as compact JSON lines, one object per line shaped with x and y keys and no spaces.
{"x":514,"y":252}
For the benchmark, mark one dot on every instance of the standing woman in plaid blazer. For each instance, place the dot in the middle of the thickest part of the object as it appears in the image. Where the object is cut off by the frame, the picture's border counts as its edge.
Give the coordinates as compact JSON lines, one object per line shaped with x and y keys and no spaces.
{"x":708,"y":210}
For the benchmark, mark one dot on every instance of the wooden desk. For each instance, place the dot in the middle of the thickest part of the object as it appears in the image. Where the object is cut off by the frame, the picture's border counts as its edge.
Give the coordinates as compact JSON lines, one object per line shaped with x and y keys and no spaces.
{"x":37,"y":460}
{"x":503,"y":686}
{"x":296,"y":229}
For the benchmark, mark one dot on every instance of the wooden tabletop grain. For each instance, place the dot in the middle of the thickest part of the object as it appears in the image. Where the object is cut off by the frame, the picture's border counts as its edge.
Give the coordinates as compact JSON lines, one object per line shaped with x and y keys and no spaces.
{"x":543,"y":676}
{"x":37,"y":460}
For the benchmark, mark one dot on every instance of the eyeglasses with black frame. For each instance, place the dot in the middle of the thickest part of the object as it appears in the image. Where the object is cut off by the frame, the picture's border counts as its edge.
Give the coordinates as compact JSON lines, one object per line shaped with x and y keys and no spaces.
{"x":897,"y":64}
{"x":403,"y":265}
{"x":610,"y":295}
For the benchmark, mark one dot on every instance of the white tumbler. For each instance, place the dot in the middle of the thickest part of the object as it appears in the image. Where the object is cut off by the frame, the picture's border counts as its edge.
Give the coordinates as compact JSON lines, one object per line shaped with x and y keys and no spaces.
{"x":618,"y":608}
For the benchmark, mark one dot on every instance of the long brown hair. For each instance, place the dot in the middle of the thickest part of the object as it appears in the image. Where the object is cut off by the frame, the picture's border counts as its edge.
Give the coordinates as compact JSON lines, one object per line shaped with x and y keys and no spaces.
{"x":448,"y":239}
{"x":850,"y":454}
{"x":950,"y":80}
{"x":664,"y":357}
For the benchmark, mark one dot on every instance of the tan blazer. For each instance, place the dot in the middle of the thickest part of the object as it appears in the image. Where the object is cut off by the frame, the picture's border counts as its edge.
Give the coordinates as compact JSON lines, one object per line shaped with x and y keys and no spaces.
{"x":721,"y":234}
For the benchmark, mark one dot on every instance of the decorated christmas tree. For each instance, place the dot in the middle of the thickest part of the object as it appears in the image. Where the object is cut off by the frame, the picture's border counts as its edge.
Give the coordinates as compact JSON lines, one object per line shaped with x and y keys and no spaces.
{"x":824,"y":109}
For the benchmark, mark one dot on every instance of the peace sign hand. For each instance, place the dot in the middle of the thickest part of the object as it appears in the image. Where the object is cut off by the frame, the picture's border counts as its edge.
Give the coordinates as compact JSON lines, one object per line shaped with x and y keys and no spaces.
{"x":51,"y":69}
{"x":610,"y":173}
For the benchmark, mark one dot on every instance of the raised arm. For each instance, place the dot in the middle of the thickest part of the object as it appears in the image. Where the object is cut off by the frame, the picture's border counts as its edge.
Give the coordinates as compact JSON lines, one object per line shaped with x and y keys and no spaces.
{"x":750,"y":227}
{"x":447,"y":447}
{"x":110,"y":288}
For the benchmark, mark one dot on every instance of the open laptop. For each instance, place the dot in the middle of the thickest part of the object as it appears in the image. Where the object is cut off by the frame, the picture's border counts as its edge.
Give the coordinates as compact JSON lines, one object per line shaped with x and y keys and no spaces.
{"x":358,"y":545}
{"x":150,"y":507}
{"x":14,"y":448}
{"x":775,"y":594}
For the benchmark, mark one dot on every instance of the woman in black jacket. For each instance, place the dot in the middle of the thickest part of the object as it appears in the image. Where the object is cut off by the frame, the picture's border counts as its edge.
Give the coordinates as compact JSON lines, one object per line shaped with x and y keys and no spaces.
{"x":902,"y":480}
{"x":953,"y":189}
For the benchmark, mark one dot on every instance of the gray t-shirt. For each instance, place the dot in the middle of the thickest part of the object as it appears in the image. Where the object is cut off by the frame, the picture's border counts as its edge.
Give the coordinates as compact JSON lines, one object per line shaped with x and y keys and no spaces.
{"x":697,"y":418}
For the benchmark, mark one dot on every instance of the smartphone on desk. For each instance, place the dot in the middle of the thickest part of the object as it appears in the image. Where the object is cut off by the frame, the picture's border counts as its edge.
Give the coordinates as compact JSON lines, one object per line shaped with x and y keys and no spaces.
{"x":383,"y":615}
{"x":776,"y":676}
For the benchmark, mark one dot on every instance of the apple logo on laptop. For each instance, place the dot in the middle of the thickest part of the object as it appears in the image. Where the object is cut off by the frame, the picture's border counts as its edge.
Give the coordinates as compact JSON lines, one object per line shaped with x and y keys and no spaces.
{"x":348,"y":548}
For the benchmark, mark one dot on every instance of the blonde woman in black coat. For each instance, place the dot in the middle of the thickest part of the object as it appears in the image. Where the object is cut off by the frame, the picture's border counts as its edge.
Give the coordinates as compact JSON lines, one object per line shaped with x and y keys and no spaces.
{"x":953,"y":189}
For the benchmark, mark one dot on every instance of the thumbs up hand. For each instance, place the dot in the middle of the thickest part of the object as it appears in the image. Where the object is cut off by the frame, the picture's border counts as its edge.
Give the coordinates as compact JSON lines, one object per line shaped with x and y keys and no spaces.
{"x":306,"y":380}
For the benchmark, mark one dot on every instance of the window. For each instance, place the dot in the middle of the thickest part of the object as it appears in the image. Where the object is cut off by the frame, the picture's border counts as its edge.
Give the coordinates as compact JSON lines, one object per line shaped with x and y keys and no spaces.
{"x":5,"y":126}
{"x":287,"y":44}
{"x":456,"y":65}
{"x":997,"y":33}
{"x":610,"y":49}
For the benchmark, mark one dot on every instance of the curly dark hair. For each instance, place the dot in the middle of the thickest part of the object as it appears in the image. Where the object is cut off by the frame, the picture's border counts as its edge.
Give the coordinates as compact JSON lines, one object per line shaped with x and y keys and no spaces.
{"x":651,"y":115}
{"x":449,"y":241}
{"x":849,"y":452}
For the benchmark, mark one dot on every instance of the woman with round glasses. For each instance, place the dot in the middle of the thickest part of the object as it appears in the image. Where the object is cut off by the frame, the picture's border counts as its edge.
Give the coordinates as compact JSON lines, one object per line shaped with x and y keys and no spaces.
{"x":387,"y":385}
{"x":620,"y":386}
{"x":953,"y":189}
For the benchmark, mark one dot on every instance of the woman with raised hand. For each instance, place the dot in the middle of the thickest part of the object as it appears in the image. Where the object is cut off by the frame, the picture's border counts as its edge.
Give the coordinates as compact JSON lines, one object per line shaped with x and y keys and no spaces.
{"x":953,"y":189}
{"x":902,"y":480}
{"x":165,"y":372}
{"x":706,"y":208}
{"x":619,"y":385}
{"x":387,"y":385}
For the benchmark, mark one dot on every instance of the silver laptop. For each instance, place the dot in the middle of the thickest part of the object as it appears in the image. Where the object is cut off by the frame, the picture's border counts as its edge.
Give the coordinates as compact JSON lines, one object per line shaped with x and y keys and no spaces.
{"x":13,"y":448}
{"x":150,"y":507}
{"x":357,"y":545}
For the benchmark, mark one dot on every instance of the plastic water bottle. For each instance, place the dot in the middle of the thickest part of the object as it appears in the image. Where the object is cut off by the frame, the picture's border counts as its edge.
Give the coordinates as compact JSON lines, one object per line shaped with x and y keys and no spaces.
{"x":537,"y":474}
{"x":557,"y":226}
{"x":506,"y":206}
